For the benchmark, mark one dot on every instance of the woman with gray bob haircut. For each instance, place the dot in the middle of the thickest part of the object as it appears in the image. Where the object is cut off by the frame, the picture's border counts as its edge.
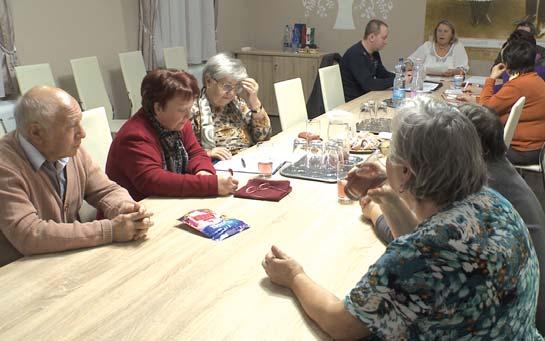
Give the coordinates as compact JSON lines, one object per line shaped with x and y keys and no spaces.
{"x":464,"y":264}
{"x":440,"y":150}
{"x":228,"y":115}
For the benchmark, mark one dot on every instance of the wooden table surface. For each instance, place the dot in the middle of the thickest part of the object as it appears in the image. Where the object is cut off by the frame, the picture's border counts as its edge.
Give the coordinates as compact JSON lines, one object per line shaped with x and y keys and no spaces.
{"x":178,"y":285}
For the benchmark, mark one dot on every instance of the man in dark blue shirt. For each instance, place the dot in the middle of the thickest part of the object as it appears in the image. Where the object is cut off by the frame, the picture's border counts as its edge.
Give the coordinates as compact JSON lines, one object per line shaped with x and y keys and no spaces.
{"x":361,"y":68}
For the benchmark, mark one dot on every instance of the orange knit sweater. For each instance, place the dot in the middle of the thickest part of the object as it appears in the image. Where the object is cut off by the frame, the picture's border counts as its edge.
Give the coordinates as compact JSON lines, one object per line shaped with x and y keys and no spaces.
{"x":530,"y":132}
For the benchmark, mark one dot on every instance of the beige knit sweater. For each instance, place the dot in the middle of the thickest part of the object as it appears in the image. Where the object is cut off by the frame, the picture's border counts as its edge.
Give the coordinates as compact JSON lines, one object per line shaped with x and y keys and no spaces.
{"x":33,"y":218}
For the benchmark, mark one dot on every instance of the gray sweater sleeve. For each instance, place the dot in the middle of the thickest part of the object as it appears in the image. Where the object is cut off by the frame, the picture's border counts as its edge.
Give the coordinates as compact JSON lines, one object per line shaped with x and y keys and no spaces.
{"x":382,"y":230}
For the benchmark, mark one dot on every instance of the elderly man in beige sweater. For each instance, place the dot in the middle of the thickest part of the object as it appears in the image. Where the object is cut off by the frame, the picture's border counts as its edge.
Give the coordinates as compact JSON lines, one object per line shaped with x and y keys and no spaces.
{"x":44,"y":177}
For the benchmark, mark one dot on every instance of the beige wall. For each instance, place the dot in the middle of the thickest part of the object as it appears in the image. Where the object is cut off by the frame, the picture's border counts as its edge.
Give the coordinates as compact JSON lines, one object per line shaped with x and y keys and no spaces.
{"x":260,"y":24}
{"x":55,"y":31}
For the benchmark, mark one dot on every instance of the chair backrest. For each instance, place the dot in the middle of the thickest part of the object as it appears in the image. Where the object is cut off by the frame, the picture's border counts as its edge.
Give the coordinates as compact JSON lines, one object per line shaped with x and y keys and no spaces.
{"x":97,"y":143}
{"x":98,"y":137}
{"x":332,"y":86}
{"x":7,"y":120}
{"x":512,"y":121}
{"x":133,"y":70}
{"x":175,"y":58}
{"x":3,"y":130}
{"x":291,"y":102}
{"x":542,"y":164}
{"x":91,"y":90}
{"x":29,"y":76}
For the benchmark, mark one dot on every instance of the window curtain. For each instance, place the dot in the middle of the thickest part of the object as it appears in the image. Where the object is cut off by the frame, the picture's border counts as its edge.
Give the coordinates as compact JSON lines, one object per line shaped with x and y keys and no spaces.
{"x":188,"y":23}
{"x":8,"y":57}
{"x":146,"y":31}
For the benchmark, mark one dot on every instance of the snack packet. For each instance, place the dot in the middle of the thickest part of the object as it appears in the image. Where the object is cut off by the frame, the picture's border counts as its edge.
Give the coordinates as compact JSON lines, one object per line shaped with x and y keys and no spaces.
{"x":212,"y":225}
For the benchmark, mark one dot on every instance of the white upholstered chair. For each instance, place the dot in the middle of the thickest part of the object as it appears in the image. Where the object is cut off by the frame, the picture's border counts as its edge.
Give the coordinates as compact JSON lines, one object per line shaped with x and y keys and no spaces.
{"x":97,"y":143}
{"x":133,"y":70}
{"x":175,"y":58}
{"x":332,"y":86}
{"x":291,"y":102}
{"x":91,"y":89}
{"x":29,"y":76}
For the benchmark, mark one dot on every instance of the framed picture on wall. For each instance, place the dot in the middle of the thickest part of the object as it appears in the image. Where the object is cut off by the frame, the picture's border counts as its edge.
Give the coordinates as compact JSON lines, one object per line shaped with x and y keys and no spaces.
{"x":485,"y":23}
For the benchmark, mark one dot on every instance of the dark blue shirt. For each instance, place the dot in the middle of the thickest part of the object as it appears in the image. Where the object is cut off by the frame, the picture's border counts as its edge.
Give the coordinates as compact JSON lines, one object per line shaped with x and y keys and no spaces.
{"x":363,"y":72}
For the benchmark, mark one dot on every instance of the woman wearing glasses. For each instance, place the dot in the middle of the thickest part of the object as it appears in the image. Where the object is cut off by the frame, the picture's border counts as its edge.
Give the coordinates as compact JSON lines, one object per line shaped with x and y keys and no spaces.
{"x":228,"y":115}
{"x":156,"y":153}
{"x":465,"y":267}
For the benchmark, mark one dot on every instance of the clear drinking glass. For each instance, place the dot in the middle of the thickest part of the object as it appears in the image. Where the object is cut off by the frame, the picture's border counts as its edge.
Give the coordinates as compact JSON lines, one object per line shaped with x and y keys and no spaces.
{"x":314,"y":127}
{"x":342,"y":171}
{"x":457,"y":81}
{"x":315,"y":154}
{"x":343,"y":147}
{"x":332,"y":156}
{"x":338,"y":130}
{"x":264,"y":159}
{"x":365,"y":176}
{"x":299,"y":154}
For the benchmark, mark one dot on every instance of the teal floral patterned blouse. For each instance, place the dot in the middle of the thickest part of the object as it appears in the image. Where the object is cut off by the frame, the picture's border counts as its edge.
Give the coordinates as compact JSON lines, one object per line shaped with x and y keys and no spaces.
{"x":468,"y":272}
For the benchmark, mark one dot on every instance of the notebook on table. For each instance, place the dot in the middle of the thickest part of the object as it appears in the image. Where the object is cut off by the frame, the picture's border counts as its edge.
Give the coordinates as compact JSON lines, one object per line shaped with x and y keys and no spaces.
{"x":247,"y":164}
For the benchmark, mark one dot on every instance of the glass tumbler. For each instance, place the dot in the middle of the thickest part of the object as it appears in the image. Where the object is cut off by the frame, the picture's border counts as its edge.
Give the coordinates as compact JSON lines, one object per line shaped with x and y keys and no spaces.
{"x":315,"y":154}
{"x":365,"y":176}
{"x":342,"y":171}
{"x":332,"y":157}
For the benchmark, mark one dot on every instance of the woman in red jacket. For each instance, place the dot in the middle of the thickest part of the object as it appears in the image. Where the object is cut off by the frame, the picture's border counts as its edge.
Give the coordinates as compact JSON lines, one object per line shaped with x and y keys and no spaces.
{"x":156,"y":153}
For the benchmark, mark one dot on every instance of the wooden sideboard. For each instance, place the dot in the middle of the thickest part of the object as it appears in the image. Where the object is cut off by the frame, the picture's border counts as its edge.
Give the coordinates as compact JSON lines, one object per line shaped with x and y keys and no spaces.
{"x":269,"y":67}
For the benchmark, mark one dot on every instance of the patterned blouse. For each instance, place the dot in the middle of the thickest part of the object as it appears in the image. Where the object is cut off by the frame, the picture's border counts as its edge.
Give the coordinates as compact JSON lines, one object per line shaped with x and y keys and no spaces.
{"x":235,"y":128}
{"x":468,"y":272}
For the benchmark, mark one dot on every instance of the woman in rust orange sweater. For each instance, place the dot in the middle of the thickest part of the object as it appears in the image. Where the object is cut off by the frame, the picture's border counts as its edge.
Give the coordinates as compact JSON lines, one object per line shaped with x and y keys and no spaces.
{"x":519,"y":60}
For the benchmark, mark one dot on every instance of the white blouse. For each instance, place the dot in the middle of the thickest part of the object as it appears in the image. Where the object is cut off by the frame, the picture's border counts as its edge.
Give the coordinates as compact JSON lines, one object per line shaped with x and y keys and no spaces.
{"x":455,"y":58}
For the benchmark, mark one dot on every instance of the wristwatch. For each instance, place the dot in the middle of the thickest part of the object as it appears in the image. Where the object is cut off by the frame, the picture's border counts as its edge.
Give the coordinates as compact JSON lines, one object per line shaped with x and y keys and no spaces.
{"x":255,"y":111}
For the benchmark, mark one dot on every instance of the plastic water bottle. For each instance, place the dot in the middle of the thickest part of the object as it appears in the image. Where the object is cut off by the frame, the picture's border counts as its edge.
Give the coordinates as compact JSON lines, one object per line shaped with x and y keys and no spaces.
{"x":398,"y":94}
{"x":286,"y":40}
{"x":417,"y":85}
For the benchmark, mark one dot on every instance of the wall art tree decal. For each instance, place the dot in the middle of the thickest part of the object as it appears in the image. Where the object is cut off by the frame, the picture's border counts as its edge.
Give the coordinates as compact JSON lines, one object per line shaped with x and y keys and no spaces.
{"x":369,"y":9}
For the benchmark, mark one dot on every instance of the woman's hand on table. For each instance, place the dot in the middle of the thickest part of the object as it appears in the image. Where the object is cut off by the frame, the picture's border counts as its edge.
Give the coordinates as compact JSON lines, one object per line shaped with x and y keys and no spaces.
{"x":449,"y":73}
{"x":453,"y":72}
{"x":497,"y":70}
{"x":281,"y":268}
{"x":219,"y":153}
{"x":466,"y":98}
{"x":227,"y":185}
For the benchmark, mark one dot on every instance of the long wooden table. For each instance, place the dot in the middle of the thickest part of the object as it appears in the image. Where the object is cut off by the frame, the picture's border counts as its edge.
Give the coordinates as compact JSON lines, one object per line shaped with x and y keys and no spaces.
{"x":178,"y":285}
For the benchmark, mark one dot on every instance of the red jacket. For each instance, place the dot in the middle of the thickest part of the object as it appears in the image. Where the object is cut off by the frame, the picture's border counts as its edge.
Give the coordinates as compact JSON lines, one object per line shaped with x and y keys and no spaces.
{"x":135,"y":162}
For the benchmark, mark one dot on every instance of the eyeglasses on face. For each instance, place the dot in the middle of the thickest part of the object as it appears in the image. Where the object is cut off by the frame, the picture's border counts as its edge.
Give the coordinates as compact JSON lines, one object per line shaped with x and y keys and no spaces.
{"x":228,"y":87}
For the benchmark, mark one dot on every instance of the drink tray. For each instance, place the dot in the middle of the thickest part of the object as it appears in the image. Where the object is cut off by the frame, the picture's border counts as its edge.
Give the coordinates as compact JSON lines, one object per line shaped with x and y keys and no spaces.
{"x":298,"y":170}
{"x":375,"y":125}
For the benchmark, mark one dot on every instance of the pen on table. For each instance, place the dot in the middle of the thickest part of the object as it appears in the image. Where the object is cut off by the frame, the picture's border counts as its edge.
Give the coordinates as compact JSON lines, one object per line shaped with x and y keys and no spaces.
{"x":243,"y":162}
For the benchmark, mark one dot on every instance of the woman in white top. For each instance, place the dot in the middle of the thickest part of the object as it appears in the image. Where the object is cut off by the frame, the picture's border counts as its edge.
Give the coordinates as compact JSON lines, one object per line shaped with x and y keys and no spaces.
{"x":445,"y":56}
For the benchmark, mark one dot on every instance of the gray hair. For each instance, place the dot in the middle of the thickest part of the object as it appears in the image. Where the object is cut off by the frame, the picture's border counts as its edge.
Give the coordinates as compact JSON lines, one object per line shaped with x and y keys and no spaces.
{"x":34,"y":108}
{"x":441,"y":148}
{"x":224,"y":65}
